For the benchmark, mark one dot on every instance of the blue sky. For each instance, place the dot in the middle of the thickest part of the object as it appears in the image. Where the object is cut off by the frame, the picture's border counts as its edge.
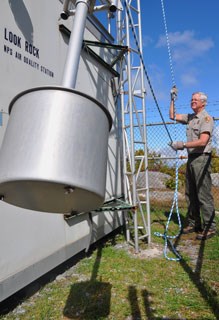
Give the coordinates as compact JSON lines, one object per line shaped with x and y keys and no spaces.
{"x":193,"y":34}
{"x":194,"y":43}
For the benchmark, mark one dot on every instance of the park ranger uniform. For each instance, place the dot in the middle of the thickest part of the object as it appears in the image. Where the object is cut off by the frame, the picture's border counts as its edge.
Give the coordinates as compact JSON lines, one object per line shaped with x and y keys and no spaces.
{"x":198,"y":172}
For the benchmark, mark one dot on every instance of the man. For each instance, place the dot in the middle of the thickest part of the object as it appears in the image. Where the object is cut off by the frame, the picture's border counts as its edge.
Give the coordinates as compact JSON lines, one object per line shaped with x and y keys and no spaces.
{"x":198,"y":179}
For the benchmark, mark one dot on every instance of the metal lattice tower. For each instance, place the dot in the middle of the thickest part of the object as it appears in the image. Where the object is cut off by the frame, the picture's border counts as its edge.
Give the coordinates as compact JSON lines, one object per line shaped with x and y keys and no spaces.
{"x":132,"y":96}
{"x":132,"y":92}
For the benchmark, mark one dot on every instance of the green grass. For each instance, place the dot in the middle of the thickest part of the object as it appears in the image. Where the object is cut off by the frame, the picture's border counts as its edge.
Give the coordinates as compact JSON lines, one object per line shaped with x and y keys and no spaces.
{"x":115,"y":283}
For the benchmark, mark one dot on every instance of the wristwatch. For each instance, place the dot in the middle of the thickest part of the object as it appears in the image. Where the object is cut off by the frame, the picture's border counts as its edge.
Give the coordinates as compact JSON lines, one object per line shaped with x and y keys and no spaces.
{"x":184,"y":144}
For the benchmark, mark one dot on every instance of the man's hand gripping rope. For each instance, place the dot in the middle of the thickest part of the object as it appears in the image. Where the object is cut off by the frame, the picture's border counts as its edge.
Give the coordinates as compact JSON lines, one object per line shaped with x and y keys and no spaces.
{"x":175,"y":145}
{"x":173,"y":93}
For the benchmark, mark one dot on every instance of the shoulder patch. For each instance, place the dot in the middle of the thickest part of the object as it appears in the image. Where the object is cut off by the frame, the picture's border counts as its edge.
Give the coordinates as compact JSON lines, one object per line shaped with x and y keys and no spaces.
{"x":207,"y":119}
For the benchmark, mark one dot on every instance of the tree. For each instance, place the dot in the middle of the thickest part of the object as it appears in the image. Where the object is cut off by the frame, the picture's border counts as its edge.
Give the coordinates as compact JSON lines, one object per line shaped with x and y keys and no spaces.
{"x":153,"y":164}
{"x":215,"y":161}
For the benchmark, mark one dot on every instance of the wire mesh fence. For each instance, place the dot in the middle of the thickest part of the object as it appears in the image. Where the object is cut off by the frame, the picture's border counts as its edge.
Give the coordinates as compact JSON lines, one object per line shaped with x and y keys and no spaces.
{"x":163,"y":161}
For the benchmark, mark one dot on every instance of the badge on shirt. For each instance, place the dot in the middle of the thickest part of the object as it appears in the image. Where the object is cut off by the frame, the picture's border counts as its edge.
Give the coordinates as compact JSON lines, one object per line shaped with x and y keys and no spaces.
{"x":207,"y":119}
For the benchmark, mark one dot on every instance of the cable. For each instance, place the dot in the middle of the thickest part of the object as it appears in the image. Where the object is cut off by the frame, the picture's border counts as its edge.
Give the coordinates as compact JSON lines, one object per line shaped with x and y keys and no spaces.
{"x":168,"y":43}
{"x":146,"y":74}
{"x":175,"y":198}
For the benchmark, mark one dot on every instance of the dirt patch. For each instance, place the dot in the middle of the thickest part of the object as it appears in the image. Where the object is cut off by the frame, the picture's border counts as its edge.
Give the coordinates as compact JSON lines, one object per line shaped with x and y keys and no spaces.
{"x":190,"y":247}
{"x":187,"y":246}
{"x":153,"y":251}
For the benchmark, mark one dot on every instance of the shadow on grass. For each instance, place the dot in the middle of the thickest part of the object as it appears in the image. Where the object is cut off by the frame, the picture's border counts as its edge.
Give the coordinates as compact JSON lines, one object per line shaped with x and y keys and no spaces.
{"x":135,"y":310}
{"x":148,"y":307}
{"x":207,"y":293}
{"x":89,"y":299}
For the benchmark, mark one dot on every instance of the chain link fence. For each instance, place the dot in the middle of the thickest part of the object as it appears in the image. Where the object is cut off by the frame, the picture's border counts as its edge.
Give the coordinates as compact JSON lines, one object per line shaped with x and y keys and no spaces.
{"x":162,"y":164}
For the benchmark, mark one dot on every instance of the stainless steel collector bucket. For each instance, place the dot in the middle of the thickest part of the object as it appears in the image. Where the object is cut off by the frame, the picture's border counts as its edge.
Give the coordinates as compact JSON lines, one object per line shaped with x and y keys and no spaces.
{"x":54,"y":153}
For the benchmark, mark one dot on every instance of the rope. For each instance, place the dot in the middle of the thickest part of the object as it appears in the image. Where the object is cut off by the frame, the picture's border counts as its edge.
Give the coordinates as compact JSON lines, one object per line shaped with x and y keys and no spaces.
{"x":165,"y":235}
{"x":168,"y":43}
{"x":175,"y":198}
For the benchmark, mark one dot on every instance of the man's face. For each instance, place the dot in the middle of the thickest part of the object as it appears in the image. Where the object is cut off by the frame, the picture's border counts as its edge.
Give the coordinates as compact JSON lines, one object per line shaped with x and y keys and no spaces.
{"x":197,"y":104}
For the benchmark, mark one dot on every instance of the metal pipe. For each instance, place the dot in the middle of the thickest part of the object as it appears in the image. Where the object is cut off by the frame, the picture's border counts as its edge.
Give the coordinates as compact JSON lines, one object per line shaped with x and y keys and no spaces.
{"x":75,"y":44}
{"x":101,"y":7}
{"x":65,"y":13}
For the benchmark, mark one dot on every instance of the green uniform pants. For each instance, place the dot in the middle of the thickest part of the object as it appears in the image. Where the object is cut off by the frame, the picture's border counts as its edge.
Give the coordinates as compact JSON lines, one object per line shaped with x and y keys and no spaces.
{"x":201,"y":212}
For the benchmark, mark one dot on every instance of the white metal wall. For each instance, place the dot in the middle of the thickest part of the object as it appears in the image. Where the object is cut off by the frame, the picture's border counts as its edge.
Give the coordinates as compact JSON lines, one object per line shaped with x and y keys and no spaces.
{"x":32,"y":53}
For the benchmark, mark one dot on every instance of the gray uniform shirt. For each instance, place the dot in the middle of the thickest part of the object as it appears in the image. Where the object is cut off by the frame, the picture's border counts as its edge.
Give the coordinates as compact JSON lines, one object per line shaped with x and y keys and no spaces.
{"x":197,"y":124}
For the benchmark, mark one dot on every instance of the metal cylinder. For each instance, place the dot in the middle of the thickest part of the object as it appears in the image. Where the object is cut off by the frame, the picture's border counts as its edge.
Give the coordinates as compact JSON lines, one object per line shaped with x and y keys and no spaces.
{"x":54,"y":153}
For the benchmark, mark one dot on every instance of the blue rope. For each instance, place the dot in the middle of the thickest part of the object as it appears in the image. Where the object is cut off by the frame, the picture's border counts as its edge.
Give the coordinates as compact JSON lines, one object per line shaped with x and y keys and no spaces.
{"x":175,"y":198}
{"x":165,"y":235}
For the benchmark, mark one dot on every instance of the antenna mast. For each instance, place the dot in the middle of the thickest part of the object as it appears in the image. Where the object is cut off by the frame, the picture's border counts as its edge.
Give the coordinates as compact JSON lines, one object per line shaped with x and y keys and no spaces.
{"x":132,"y":92}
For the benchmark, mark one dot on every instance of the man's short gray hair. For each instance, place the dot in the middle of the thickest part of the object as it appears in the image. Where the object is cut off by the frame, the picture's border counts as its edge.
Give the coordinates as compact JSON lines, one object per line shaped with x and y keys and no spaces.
{"x":203,"y":96}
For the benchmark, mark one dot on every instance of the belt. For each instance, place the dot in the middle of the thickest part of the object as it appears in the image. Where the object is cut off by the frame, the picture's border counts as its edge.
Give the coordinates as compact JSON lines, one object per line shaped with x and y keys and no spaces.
{"x":196,"y":155}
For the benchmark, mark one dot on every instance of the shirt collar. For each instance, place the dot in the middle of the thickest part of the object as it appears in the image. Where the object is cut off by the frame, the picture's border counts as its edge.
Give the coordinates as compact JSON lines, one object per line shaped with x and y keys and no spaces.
{"x":200,"y":114}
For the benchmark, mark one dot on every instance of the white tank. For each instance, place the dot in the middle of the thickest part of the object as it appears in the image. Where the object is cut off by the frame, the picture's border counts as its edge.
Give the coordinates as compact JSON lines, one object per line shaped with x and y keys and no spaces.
{"x":54,"y":153}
